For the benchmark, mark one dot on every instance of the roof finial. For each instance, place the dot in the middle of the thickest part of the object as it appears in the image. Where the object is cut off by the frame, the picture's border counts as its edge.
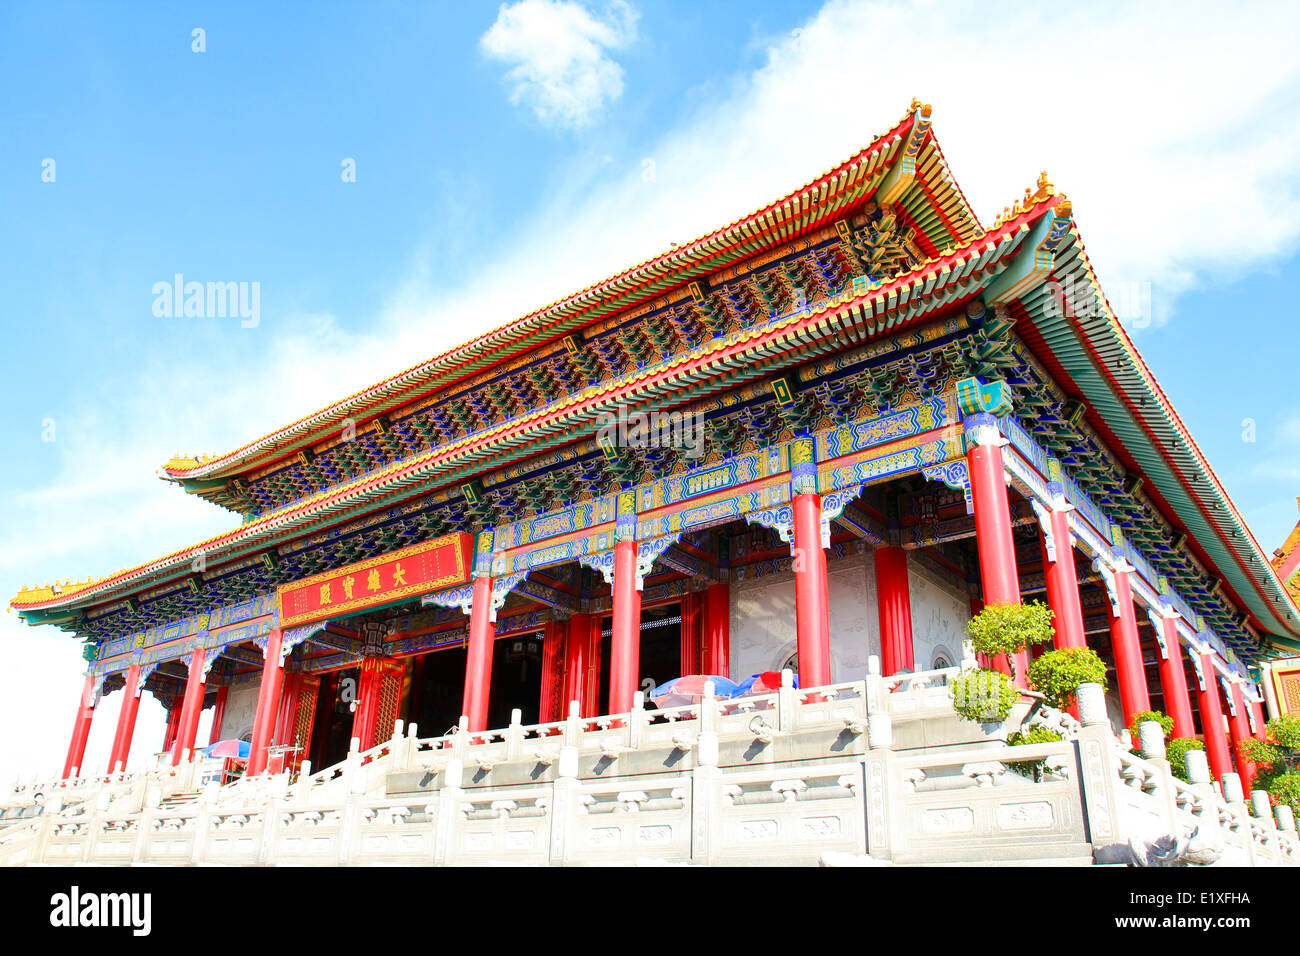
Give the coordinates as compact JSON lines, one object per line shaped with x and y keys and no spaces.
{"x":1045,"y":188}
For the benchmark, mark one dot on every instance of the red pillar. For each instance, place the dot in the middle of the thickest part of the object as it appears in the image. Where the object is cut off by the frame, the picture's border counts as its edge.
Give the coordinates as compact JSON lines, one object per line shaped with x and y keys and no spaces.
{"x":716,"y":636}
{"x":692,"y":660}
{"x":895,"y":604}
{"x":1216,"y":747}
{"x":72,"y":766}
{"x":188,"y":728}
{"x":625,"y":637}
{"x":577,"y":649}
{"x":550,"y":703}
{"x":993,"y":538}
{"x":811,"y":601}
{"x":1063,"y":584}
{"x":286,"y":721}
{"x":1239,"y":728}
{"x":367,"y":712}
{"x":173,"y":725}
{"x":1127,"y":648}
{"x":268,"y":704}
{"x":218,"y":713}
{"x":1173,"y":679}
{"x":121,"y":749}
{"x":478,"y":661}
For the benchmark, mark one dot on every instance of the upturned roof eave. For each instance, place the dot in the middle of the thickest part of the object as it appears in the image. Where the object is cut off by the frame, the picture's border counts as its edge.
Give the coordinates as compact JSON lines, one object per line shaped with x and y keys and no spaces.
{"x":428,"y":376}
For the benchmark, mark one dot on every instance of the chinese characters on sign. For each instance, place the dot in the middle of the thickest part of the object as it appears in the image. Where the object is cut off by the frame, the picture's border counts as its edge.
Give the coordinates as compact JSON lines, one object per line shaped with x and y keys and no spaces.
{"x":443,"y":562}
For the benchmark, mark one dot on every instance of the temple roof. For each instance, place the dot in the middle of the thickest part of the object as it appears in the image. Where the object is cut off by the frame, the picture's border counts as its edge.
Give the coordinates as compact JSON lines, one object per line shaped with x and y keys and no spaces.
{"x":928,"y":196}
{"x":1018,"y":262}
{"x":1286,"y":561}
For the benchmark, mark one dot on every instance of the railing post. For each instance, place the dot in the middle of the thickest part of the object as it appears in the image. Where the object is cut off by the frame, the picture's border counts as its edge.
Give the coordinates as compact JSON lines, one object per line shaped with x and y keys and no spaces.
{"x":514,"y":734}
{"x":1151,"y":741}
{"x":876,"y":696}
{"x":1198,"y":777}
{"x":785,"y":702}
{"x":573,"y":726}
{"x":881,"y":794}
{"x":564,"y":790}
{"x":202,"y":826}
{"x":706,"y":816}
{"x":303,"y":789}
{"x":49,"y":819}
{"x":449,"y":798}
{"x":411,"y":747}
{"x":1099,"y":772}
{"x":1259,"y":802}
{"x":350,"y":820}
{"x":144,"y":821}
{"x":636,"y":720}
{"x":1236,"y":800}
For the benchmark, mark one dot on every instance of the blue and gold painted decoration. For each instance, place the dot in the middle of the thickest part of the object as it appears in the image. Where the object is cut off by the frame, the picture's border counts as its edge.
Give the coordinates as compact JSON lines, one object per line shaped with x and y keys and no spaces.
{"x":483,"y":554}
{"x":903,"y":423}
{"x":243,"y":611}
{"x":715,"y":512}
{"x":240,"y":633}
{"x":460,"y":597}
{"x":1055,"y":476}
{"x":803,"y":466}
{"x":780,"y":520}
{"x":975,"y":396}
{"x":871,"y":470}
{"x":603,"y":562}
{"x":625,"y":516}
{"x":956,"y":476}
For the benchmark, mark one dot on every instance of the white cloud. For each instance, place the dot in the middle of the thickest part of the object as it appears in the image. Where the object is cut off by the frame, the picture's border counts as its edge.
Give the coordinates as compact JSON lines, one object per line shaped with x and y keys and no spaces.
{"x":1175,"y":129}
{"x":559,"y":56}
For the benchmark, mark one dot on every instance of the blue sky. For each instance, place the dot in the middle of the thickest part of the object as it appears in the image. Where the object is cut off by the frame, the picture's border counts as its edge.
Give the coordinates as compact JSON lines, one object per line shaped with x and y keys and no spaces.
{"x":507,"y":155}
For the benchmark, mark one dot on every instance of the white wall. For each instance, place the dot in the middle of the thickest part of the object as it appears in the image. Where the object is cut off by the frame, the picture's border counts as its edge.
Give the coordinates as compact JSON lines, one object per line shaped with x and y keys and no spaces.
{"x":940,"y":611}
{"x":241,"y":707}
{"x":763,"y":619}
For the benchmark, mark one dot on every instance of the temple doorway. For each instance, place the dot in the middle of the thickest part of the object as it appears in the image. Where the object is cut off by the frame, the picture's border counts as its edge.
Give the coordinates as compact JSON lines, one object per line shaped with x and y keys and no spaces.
{"x":516,"y":679}
{"x":332,"y":727}
{"x":442,"y":691}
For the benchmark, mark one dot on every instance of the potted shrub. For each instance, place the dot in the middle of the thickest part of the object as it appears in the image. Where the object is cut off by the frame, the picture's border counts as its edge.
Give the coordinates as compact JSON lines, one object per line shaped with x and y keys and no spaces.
{"x":1057,"y":674}
{"x":1004,"y":630}
{"x":987,"y":696}
{"x":1277,"y":760}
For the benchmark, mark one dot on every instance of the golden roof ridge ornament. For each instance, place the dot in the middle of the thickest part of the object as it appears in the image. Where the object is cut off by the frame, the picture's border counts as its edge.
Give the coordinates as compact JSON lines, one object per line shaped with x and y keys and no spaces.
{"x":1045,"y":189}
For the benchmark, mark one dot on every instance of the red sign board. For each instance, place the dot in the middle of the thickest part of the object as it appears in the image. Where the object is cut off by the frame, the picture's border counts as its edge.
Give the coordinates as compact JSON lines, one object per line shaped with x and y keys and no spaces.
{"x":443,"y":562}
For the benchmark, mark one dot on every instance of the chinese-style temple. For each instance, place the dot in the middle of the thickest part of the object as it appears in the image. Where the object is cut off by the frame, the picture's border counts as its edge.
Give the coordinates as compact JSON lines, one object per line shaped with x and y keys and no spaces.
{"x":856,"y":416}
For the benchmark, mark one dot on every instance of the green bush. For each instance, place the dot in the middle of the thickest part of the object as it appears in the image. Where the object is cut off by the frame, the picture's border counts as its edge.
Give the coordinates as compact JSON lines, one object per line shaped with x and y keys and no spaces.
{"x":1166,"y":723}
{"x":1007,"y":629}
{"x":1277,"y":760}
{"x":984,"y":695}
{"x":1176,"y":754}
{"x":1036,"y":769}
{"x":1057,"y":674}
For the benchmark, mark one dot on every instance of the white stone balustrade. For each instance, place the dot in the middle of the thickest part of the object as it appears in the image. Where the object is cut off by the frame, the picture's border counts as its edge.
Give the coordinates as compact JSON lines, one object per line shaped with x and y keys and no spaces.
{"x":595,"y":790}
